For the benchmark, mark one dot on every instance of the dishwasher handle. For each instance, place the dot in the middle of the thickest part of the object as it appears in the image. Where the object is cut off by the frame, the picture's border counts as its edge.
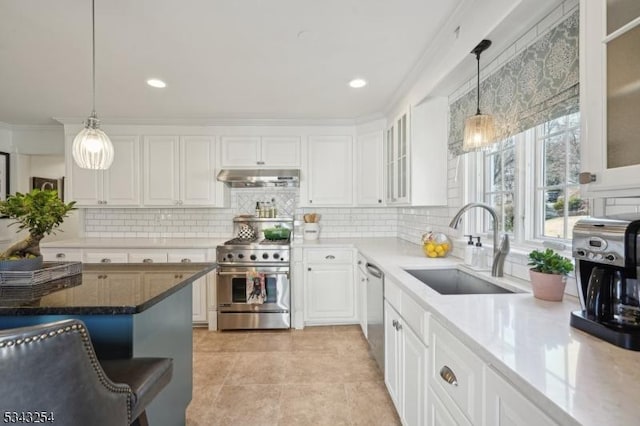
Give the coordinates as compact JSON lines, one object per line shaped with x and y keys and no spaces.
{"x":374,"y":270}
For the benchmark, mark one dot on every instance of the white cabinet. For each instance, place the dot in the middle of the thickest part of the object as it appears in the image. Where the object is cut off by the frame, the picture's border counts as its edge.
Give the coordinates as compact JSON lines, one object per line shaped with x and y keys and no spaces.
{"x":61,"y":254}
{"x":416,"y":155}
{"x":118,"y":186}
{"x":361,"y":280}
{"x":329,"y":171}
{"x":260,"y":152}
{"x":199,"y":286}
{"x":504,"y":405}
{"x":370,"y":169}
{"x":609,"y":96}
{"x":179,"y":171}
{"x":329,"y":287}
{"x":455,"y":374}
{"x":105,"y":256}
{"x":405,"y":368}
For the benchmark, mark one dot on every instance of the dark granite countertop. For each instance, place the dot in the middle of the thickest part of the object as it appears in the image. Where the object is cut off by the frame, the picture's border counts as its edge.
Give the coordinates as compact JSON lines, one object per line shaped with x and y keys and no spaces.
{"x":102,"y":289}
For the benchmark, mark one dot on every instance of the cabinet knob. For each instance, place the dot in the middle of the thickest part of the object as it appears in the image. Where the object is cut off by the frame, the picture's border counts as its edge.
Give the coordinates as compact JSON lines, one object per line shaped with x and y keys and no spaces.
{"x":60,"y":255}
{"x":104,"y":201}
{"x":310,"y":201}
{"x":379,"y":201}
{"x":308,"y":269}
{"x":329,"y":257}
{"x":147,"y":260}
{"x":105,"y":260}
{"x":448,"y":376}
{"x":185,"y":260}
{"x":394,"y":323}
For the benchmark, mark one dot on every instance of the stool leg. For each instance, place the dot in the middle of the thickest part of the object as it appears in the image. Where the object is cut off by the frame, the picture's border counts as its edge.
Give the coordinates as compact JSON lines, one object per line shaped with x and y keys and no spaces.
{"x":141,"y":420}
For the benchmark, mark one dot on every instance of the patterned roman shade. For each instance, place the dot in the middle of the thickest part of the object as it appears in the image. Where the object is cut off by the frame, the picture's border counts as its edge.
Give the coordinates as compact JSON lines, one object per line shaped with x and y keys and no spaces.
{"x":539,"y":84}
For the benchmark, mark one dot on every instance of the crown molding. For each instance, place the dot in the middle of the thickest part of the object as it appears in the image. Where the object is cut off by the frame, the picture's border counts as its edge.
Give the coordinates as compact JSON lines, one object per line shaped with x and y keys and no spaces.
{"x":36,"y":127}
{"x":215,"y":121}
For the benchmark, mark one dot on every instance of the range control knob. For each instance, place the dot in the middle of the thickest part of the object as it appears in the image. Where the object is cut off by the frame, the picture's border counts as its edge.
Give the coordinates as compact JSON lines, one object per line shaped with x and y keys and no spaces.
{"x":241,"y":256}
{"x":581,"y":252}
{"x":230,"y":256}
{"x":610,"y":257}
{"x":276,"y":256}
{"x":252,"y":257}
{"x":265,"y":255}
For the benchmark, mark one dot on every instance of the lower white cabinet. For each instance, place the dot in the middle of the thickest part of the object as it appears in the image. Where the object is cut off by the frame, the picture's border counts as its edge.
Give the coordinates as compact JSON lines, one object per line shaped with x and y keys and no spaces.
{"x":504,"y":405}
{"x":199,"y":286}
{"x":361,"y":284}
{"x":438,"y":414}
{"x":125,"y":282}
{"x":455,"y":374}
{"x":405,"y":368}
{"x":329,"y":287}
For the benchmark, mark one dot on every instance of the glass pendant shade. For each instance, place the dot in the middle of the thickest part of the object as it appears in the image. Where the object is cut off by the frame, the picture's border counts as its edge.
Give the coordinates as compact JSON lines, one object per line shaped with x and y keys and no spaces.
{"x":92,"y":148}
{"x":479,"y":132}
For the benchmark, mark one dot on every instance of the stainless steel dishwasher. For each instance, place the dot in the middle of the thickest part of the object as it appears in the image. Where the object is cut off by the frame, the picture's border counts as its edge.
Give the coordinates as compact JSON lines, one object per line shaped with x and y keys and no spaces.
{"x":375,"y":313}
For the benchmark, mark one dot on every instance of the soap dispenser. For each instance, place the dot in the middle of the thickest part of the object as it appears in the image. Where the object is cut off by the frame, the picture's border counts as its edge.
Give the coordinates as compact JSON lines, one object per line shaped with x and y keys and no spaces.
{"x":468,"y":251}
{"x":479,"y":257}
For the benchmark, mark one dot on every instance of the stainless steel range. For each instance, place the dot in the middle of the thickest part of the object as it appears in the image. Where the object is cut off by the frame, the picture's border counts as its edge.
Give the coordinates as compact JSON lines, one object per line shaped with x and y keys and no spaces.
{"x":253,"y":286}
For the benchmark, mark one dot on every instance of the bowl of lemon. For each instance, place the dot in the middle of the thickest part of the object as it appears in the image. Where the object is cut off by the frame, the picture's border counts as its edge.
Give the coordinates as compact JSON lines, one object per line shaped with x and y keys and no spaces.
{"x":436,"y":244}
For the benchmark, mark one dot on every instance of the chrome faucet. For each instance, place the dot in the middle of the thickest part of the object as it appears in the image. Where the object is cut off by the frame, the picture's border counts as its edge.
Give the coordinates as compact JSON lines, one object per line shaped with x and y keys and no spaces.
{"x":499,"y":251}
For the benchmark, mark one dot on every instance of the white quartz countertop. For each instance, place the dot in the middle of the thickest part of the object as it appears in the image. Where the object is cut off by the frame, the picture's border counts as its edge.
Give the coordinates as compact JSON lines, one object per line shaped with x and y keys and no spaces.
{"x":135,"y":243}
{"x":575,"y":377}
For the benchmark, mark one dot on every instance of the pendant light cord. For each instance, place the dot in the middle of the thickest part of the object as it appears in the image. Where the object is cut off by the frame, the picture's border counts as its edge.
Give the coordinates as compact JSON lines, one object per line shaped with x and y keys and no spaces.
{"x":478,"y":60}
{"x":93,"y":53}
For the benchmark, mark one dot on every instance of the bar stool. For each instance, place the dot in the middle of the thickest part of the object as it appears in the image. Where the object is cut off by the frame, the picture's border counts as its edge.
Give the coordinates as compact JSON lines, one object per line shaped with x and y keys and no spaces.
{"x":49,"y":372}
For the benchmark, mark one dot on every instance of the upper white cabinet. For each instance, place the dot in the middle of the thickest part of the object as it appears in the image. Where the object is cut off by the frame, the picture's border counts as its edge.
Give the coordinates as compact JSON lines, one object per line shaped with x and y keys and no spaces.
{"x":370,"y":169}
{"x":329,"y":176}
{"x":610,"y":96}
{"x":416,"y":155}
{"x":118,"y":186}
{"x":260,"y":152}
{"x":179,"y":171}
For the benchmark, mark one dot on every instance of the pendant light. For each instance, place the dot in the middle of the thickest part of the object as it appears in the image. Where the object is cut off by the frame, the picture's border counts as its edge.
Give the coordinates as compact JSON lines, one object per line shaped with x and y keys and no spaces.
{"x":92,"y":148}
{"x":479,"y":129}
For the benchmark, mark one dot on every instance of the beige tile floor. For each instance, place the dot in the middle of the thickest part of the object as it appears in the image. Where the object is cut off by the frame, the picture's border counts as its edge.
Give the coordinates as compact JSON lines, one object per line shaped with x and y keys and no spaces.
{"x":315,"y":376}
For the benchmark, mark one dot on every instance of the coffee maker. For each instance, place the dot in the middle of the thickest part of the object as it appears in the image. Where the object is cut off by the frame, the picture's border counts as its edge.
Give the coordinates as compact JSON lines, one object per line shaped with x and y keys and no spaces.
{"x":607,"y":253}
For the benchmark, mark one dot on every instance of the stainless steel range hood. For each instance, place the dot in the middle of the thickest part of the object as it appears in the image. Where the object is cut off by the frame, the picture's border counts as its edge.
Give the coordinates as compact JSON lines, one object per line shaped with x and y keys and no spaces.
{"x":248,"y":178}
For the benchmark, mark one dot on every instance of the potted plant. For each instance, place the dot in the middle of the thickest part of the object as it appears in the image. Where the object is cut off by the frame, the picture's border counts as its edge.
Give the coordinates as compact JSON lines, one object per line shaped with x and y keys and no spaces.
{"x":38,"y":212}
{"x":549,"y":274}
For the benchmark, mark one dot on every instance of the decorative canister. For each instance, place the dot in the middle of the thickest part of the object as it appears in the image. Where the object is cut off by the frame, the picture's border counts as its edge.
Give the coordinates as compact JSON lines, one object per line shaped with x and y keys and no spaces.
{"x":311,"y":231}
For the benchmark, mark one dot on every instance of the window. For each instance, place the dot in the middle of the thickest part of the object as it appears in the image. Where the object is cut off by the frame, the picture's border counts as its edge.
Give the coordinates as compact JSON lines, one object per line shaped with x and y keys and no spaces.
{"x":531,"y":180}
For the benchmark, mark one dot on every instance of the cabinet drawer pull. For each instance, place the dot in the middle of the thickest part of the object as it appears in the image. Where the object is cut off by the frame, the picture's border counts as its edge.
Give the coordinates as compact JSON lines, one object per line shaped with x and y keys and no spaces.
{"x":448,"y":376}
{"x":260,"y":163}
{"x":60,"y":256}
{"x":147,"y":260}
{"x":330,"y":257}
{"x":105,"y":260}
{"x":185,"y":260}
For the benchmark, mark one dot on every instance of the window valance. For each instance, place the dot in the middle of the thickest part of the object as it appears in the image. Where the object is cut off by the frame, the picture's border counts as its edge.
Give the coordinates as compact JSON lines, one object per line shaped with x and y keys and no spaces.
{"x":539,"y":84}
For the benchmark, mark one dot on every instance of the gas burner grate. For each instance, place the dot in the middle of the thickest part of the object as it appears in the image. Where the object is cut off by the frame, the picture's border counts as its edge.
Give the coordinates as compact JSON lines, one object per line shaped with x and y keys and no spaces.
{"x":239,"y":241}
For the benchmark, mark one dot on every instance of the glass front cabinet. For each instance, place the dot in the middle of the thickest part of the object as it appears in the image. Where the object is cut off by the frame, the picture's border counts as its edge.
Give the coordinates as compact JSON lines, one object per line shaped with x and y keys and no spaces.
{"x":397,"y":160}
{"x":610,"y":97}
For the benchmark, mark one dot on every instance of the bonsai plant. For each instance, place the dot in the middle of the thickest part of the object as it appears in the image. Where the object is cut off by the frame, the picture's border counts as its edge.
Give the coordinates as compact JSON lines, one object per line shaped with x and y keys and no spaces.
{"x":38,"y":212}
{"x":549,"y":274}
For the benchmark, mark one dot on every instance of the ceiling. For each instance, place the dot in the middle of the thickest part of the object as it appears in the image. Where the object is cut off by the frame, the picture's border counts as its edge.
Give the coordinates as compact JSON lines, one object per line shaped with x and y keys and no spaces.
{"x":220,"y":58}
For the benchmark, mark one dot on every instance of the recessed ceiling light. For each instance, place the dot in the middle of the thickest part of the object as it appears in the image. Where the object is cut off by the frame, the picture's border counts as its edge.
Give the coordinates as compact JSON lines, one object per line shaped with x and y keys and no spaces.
{"x":154,"y":82}
{"x":357,"y":83}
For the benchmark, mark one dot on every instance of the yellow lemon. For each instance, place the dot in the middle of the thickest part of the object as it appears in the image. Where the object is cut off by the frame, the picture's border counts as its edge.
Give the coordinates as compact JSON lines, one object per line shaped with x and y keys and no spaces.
{"x":431,"y":247}
{"x":432,"y":254}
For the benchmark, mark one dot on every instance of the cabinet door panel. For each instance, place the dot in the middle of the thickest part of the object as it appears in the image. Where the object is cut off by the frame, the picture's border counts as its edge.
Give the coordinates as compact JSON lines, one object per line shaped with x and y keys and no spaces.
{"x":197,"y":171}
{"x":329,"y":293}
{"x":438,"y":413}
{"x":199,"y":287}
{"x":238,"y":151}
{"x":161,"y":170}
{"x":392,"y":355}
{"x":330,"y":166}
{"x":370,"y":169}
{"x":414,"y":378}
{"x":280,"y":151}
{"x":122,"y":180}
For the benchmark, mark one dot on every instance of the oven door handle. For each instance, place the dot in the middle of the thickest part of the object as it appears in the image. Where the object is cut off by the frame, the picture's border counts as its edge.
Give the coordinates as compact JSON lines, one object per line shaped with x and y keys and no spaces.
{"x":243,"y":273}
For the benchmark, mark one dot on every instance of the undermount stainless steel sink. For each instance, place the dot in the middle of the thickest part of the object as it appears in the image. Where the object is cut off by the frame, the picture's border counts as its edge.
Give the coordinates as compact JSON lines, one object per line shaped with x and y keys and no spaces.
{"x":454,"y":281}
